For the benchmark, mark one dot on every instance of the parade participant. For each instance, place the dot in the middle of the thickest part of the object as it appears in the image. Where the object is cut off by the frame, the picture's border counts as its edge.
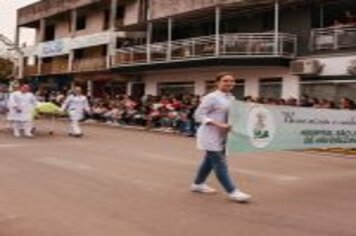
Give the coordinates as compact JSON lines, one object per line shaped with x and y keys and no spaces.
{"x":211,"y":138}
{"x":76,"y":105}
{"x":3,"y":99}
{"x":21,"y":105}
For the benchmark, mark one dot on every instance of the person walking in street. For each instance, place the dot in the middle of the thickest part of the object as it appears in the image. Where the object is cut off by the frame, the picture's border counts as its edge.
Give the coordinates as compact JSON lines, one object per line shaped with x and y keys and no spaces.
{"x":76,"y":105}
{"x":212,"y":113}
{"x":21,"y":105}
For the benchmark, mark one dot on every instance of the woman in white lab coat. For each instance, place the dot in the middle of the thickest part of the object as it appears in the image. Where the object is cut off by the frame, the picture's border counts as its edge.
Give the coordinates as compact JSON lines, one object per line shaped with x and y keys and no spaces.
{"x":212,"y":113}
{"x":76,"y":105}
{"x":21,"y":107}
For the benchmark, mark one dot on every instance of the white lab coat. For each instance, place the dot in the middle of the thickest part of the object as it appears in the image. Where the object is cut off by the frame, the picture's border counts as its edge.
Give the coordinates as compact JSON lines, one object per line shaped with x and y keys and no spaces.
{"x":21,"y":106}
{"x":76,"y":107}
{"x":214,"y":107}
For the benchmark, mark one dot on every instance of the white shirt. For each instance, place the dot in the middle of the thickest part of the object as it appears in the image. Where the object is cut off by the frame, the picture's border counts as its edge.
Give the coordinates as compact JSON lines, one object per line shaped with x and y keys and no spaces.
{"x":21,"y":106}
{"x":214,"y":107}
{"x":76,"y":106}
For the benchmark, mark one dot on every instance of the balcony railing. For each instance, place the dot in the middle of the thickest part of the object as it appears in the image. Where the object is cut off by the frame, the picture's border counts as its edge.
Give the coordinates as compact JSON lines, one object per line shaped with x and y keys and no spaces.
{"x":58,"y":67}
{"x":89,"y":64}
{"x":333,"y":38}
{"x":237,"y":45}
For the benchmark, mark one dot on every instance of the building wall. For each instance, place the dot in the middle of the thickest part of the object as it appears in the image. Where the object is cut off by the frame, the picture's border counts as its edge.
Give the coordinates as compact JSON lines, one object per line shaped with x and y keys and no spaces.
{"x":47,"y":8}
{"x":164,"y":8}
{"x":62,"y":29}
{"x":94,"y":24}
{"x":131,"y":13}
{"x":290,"y":84}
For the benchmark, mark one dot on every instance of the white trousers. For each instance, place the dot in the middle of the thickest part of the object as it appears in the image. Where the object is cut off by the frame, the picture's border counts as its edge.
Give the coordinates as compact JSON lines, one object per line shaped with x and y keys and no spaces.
{"x":74,"y":127}
{"x":26,"y":126}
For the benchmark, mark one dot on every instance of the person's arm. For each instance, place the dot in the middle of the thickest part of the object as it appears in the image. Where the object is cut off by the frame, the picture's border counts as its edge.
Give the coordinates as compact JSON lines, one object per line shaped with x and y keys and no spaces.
{"x":86,"y":106}
{"x":203,"y":111}
{"x":65,"y":104}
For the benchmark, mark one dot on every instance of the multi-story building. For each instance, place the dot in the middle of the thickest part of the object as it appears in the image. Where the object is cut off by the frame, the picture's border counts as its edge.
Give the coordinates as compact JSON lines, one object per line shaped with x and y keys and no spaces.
{"x":276,"y":48}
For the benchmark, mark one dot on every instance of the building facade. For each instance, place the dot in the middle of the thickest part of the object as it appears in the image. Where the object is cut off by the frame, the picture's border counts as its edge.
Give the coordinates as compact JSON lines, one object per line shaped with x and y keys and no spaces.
{"x":276,"y":49}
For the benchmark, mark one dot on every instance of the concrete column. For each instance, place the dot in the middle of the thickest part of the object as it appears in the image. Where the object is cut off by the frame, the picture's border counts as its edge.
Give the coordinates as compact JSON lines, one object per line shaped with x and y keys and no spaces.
{"x":89,"y":88}
{"x":276,"y":27}
{"x":111,"y":52}
{"x":217,"y":30}
{"x":149,"y":40}
{"x":291,"y":87}
{"x":200,"y":87}
{"x":71,"y":61}
{"x":151,"y":87}
{"x":39,"y":65}
{"x":73,"y":20}
{"x":113,"y":13}
{"x":129,"y":88}
{"x":21,"y":66}
{"x":42,"y":29}
{"x":169,"y":48}
{"x":252,"y":87}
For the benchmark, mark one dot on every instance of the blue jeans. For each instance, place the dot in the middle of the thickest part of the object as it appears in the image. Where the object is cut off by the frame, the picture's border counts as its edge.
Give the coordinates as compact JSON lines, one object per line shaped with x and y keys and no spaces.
{"x":215,"y":161}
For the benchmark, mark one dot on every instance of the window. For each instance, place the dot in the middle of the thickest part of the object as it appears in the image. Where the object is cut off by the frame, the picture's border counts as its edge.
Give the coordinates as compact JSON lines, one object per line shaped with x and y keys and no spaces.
{"x":271,"y":88}
{"x":81,"y":23}
{"x":106,"y":19}
{"x":79,"y":54}
{"x":104,"y":50}
{"x":176,"y":88}
{"x":330,"y":89}
{"x":50,"y":32}
{"x":120,"y":13}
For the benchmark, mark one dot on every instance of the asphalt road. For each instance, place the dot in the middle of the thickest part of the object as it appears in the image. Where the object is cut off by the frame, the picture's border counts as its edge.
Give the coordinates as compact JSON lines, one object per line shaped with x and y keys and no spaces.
{"x":117,"y":182}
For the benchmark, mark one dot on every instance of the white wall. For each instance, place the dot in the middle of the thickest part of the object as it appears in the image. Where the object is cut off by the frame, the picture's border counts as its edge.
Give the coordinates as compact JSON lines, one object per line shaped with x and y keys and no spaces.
{"x":335,"y":65}
{"x":201,"y":76}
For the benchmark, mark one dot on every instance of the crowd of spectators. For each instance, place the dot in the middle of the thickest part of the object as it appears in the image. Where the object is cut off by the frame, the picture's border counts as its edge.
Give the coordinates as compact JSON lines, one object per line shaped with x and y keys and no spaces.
{"x":176,"y":113}
{"x":173,"y":113}
{"x":166,"y":113}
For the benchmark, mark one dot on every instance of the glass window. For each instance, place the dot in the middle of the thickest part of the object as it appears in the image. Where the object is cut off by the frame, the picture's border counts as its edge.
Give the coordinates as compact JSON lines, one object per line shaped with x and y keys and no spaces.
{"x":81,"y":23}
{"x":330,"y":90}
{"x":176,"y":88}
{"x":271,"y":88}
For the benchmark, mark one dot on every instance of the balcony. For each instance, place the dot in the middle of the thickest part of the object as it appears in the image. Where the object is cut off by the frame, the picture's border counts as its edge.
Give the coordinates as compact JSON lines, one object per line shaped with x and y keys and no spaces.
{"x":57,"y":67}
{"x":89,"y":64}
{"x":333,"y":38}
{"x":237,"y":45}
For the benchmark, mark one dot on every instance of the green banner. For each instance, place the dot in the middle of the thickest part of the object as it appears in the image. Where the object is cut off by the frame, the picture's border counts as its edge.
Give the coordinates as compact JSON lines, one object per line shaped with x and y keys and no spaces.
{"x":257,"y":128}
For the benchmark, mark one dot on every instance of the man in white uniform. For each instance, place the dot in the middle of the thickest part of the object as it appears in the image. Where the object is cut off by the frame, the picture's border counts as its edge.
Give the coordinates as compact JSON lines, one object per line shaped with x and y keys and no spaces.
{"x":76,"y":105}
{"x":21,"y":105}
{"x":212,"y":134}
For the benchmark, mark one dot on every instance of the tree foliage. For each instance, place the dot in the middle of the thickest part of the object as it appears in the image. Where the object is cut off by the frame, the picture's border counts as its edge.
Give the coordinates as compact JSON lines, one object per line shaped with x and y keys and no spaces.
{"x":6,"y":67}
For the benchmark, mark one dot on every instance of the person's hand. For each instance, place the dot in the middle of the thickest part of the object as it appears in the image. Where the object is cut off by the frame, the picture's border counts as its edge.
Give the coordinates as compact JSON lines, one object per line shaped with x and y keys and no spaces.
{"x":223,"y":126}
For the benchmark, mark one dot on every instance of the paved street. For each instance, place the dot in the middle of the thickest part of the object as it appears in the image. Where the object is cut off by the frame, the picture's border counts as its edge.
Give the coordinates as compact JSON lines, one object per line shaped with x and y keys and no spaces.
{"x":117,"y":182}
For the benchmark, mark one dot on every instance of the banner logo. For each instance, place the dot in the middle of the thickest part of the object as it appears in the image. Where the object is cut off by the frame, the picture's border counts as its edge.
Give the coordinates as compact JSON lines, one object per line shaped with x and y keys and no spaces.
{"x":260,"y":127}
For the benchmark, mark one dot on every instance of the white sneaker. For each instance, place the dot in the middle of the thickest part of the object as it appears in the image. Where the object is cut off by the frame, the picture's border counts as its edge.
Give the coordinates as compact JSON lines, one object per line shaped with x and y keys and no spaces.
{"x":239,"y":196}
{"x":29,"y":136}
{"x":202,"y":188}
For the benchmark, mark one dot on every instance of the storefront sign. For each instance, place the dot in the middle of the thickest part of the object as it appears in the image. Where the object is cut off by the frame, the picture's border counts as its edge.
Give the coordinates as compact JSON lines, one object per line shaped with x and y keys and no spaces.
{"x":257,"y":128}
{"x":54,"y":48}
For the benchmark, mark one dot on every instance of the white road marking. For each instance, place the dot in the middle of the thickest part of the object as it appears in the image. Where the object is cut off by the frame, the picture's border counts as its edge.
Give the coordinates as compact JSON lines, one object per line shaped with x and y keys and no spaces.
{"x":64,"y":164}
{"x":12,"y":145}
{"x":279,"y":177}
{"x":78,"y":167}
